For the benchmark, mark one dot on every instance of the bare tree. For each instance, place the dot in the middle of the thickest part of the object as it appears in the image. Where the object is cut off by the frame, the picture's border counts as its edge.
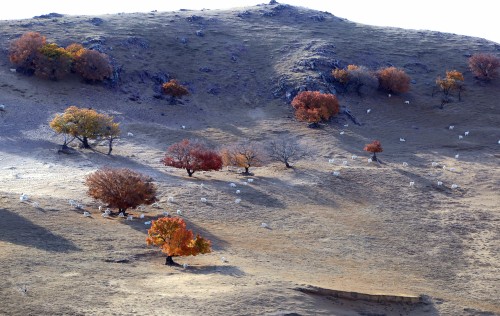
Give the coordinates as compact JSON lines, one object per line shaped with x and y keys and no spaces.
{"x":285,"y":149}
{"x":244,"y":154}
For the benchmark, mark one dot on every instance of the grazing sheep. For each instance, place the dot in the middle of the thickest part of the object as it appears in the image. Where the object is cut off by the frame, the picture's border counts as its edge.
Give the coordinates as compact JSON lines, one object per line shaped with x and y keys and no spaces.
{"x":456,"y":156}
{"x":353,"y":157}
{"x":250,"y":180}
{"x":454,"y":186}
{"x":452,"y":169}
{"x":232,"y":185}
{"x":369,"y":160}
{"x":147,"y":223}
{"x":23,"y":197}
{"x":156,"y":205}
{"x":434,"y":164}
{"x":86,"y":214}
{"x":451,"y":127}
{"x":179,"y":212}
{"x":342,"y":133}
{"x":72,"y":203}
{"x":440,"y":183}
{"x":183,"y":126}
{"x":185,"y":265}
{"x":389,"y":95}
{"x":336,"y":173}
{"x":444,"y":167}
{"x":141,"y":216}
{"x":130,"y":217}
{"x":405,"y":164}
{"x":204,"y":200}
{"x":100,"y":208}
{"x":107,"y":211}
{"x":224,"y":260}
{"x":130,"y":134}
{"x":401,"y":139}
{"x":460,"y":137}
{"x":412,"y":183}
{"x":35,"y":204}
{"x":238,"y":191}
{"x":499,"y":142}
{"x":466,"y":133}
{"x":346,"y":125}
{"x":237,"y":201}
{"x":407,"y":102}
{"x":170,"y":199}
{"x":2,"y":107}
{"x":121,"y":214}
{"x":264,"y":225}
{"x":331,"y":160}
{"x":368,"y":111}
{"x":105,"y":215}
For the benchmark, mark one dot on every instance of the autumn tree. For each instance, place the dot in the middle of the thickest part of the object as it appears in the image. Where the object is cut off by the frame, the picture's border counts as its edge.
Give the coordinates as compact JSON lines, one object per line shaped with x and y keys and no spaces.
{"x":374,"y":148}
{"x":175,"y":240}
{"x":92,"y":65}
{"x":85,"y":124}
{"x":356,"y":77}
{"x":244,"y":155}
{"x":393,"y":80}
{"x":25,"y":50}
{"x":314,"y":106}
{"x":454,"y":81}
{"x":193,"y":156}
{"x":285,"y":149}
{"x":174,"y":89}
{"x":484,"y":66}
{"x":121,"y":188}
{"x":52,"y":62}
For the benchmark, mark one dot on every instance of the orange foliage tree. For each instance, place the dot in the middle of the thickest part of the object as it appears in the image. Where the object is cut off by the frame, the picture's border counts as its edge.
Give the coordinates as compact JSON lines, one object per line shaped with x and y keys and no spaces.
{"x":174,"y":89}
{"x":52,"y":62}
{"x":244,"y":155}
{"x":85,"y":124}
{"x":393,"y":80}
{"x":454,"y":80}
{"x":121,"y":188}
{"x":193,"y":156}
{"x":92,"y":65}
{"x":484,"y":66}
{"x":24,"y":51}
{"x":356,"y":77}
{"x":314,"y":106}
{"x":374,"y":148}
{"x":175,"y":240}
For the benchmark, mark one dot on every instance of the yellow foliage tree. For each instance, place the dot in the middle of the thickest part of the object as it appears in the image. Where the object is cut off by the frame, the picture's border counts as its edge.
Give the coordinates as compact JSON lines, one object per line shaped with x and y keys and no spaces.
{"x":85,"y":124}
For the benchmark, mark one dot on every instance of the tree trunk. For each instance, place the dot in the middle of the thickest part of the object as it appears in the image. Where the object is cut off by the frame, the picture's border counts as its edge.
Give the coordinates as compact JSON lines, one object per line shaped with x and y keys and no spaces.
{"x":122,"y":210}
{"x":287,"y":164}
{"x":246,"y":170}
{"x":190,"y":173}
{"x":169,"y":261}
{"x":110,"y":146}
{"x":374,"y":157}
{"x":85,"y":142}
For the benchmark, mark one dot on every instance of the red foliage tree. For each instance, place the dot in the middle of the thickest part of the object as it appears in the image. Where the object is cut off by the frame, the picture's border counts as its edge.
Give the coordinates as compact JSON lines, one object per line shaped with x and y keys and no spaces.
{"x":374,"y":148}
{"x":193,"y":156}
{"x":314,"y":106}
{"x":121,"y":188}
{"x":174,"y":89}
{"x":484,"y":66}
{"x":24,"y":51}
{"x":393,"y":80}
{"x":171,"y":235}
{"x":92,"y":65}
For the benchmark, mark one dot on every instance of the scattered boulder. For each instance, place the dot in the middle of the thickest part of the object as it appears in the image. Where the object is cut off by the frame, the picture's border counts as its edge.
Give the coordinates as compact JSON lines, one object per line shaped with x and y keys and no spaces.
{"x":200,"y":33}
{"x":49,"y":16}
{"x":96,"y":21}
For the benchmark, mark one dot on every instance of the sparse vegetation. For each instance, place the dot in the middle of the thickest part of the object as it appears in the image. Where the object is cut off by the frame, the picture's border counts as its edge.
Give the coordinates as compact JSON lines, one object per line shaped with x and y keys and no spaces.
{"x":374,"y":148}
{"x":121,"y":188}
{"x":484,"y":66}
{"x":355,"y":77}
{"x":85,"y":124}
{"x":454,"y":81}
{"x":24,"y":51}
{"x":285,"y":149}
{"x":193,"y":156}
{"x":174,"y":89}
{"x":314,"y":106}
{"x":92,"y":65}
{"x":244,"y":155}
{"x":393,"y":80}
{"x":175,"y":240}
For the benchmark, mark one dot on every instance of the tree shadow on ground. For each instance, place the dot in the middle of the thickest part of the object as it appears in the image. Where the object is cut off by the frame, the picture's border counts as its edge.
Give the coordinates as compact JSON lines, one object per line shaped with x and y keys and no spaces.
{"x":225,"y":269}
{"x":18,"y":230}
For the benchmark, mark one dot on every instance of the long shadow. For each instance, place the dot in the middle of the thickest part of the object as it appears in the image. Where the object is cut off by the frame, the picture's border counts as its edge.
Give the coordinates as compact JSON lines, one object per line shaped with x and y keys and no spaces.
{"x":18,"y":230}
{"x":222,"y":270}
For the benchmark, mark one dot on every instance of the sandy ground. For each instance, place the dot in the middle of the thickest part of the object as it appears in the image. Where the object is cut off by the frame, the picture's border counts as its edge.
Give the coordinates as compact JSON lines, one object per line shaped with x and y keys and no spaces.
{"x":367,"y":230}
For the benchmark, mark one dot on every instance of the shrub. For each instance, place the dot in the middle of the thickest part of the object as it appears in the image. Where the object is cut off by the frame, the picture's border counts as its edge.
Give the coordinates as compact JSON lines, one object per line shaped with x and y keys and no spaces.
{"x":314,"y":106}
{"x":52,"y":62}
{"x":341,"y":75}
{"x":174,"y":89}
{"x":121,"y":188}
{"x":193,"y":156}
{"x":24,"y":51}
{"x":453,"y":81}
{"x":85,"y":124}
{"x":393,"y":80}
{"x":374,"y":148}
{"x":244,"y":155}
{"x":92,"y":65}
{"x":171,"y":235}
{"x":484,"y":66}
{"x":284,"y":149}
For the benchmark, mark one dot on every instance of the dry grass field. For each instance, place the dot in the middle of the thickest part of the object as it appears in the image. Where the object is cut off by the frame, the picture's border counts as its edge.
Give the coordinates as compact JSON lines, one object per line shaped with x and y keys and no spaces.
{"x":366,"y":230}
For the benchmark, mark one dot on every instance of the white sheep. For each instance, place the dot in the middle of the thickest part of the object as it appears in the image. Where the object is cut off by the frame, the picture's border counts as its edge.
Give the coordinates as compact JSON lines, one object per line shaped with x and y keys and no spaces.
{"x":35,"y":204}
{"x":121,"y":214}
{"x":369,"y":160}
{"x":130,"y":134}
{"x":250,"y":180}
{"x":444,"y":167}
{"x":389,"y":95}
{"x":130,"y":217}
{"x":499,"y":142}
{"x":407,"y":102}
{"x":346,"y":125}
{"x":232,"y":185}
{"x":434,"y":164}
{"x":451,"y":127}
{"x":237,"y":201}
{"x":412,"y":183}
{"x":238,"y":191}
{"x":353,"y":157}
{"x":466,"y":133}
{"x":107,"y":211}
{"x":440,"y":183}
{"x":223,"y":259}
{"x":79,"y":206}
{"x":156,"y":205}
{"x":368,"y":111}
{"x":204,"y":200}
{"x":456,"y":156}
{"x":452,"y":169}
{"x":72,"y":203}
{"x":141,"y":216}
{"x":331,"y":160}
{"x":401,"y":139}
{"x":170,"y":199}
{"x":179,"y":212}
{"x":342,"y":133}
{"x":185,"y":265}
{"x":405,"y":164}
{"x":344,"y":162}
{"x":105,"y":215}
{"x":2,"y":107}
{"x":454,"y":186}
{"x":264,"y":225}
{"x":100,"y":208}
{"x":23,"y":197}
{"x":336,"y":173}
{"x":147,"y":223}
{"x":460,"y":137}
{"x":86,"y":214}
{"x":183,"y":126}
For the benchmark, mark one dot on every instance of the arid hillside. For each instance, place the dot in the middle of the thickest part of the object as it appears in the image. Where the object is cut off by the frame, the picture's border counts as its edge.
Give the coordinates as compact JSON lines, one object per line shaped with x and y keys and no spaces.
{"x":365,"y":229}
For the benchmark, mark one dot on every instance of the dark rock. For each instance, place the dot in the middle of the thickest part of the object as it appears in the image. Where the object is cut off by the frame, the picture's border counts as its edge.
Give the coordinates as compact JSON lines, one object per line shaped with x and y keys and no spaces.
{"x":183,"y":40}
{"x":158,"y":96}
{"x":96,"y":21}
{"x":318,"y":18}
{"x":273,"y":2}
{"x":49,"y":16}
{"x":234,"y":58}
{"x":200,"y":33}
{"x":244,"y":14}
{"x":194,"y":18}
